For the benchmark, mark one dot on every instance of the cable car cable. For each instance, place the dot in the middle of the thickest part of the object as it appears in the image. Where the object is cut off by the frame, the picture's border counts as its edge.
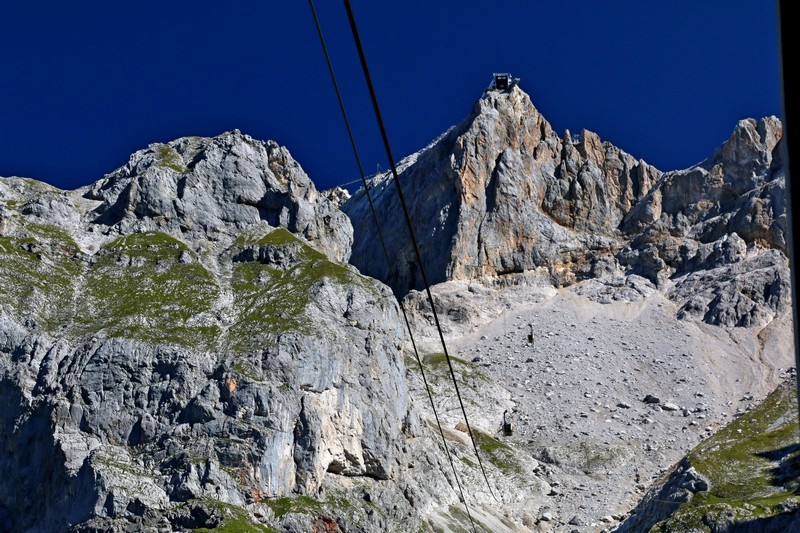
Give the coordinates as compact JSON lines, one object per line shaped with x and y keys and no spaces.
{"x":407,"y":216}
{"x":386,"y":254}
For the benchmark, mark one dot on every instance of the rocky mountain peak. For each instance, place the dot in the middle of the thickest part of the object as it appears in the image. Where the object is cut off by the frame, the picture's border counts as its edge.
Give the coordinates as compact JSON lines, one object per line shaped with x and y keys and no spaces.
{"x":502,"y":194}
{"x":745,"y":158}
{"x":744,"y":175}
{"x":197,"y":187}
{"x":177,"y":353}
{"x":181,"y":352}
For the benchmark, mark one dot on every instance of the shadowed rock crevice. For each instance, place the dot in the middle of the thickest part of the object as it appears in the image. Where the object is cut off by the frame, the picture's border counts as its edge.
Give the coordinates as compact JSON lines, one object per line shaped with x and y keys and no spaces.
{"x":37,"y":491}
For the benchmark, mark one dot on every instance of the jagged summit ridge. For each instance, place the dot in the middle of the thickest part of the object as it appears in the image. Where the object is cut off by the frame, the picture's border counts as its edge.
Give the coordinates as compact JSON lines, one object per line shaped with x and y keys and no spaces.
{"x":742,"y":167}
{"x":209,"y":187}
{"x":174,"y":358}
{"x":502,"y":193}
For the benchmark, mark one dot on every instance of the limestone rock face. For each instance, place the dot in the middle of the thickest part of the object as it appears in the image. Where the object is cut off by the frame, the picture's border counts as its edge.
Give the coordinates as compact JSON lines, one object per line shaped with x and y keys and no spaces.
{"x":183,"y":345}
{"x":739,"y":189}
{"x":201,"y":188}
{"x":502,"y":194}
{"x":713,"y":236}
{"x":172,"y":356}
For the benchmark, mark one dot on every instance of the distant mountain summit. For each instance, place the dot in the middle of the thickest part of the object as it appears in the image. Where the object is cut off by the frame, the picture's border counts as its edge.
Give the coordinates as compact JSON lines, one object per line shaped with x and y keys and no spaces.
{"x":501,"y":193}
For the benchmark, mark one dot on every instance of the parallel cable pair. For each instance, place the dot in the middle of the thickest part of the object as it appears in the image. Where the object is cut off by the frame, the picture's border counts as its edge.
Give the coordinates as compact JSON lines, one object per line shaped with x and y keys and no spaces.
{"x":409,"y":224}
{"x":385,"y":250}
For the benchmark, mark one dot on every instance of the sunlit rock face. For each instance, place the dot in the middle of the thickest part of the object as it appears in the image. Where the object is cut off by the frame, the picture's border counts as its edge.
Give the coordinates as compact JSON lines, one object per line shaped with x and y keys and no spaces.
{"x":501,"y":193}
{"x":183,"y":344}
{"x":207,"y":187}
{"x":175,"y":335}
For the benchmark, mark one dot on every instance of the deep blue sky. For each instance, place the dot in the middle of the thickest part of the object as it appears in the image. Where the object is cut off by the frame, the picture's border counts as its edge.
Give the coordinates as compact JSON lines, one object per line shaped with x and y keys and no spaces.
{"x":86,"y":83}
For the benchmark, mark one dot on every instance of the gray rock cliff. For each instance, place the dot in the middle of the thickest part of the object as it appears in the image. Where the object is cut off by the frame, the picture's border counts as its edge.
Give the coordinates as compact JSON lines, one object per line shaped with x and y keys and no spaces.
{"x":176,"y":350}
{"x":501,"y":194}
{"x":203,"y":188}
{"x":183,"y":344}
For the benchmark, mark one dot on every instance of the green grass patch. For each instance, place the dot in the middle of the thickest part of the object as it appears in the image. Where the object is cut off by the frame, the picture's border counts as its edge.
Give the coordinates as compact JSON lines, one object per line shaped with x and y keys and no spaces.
{"x":139,"y":288}
{"x":52,"y":234}
{"x":39,"y":185}
{"x":246,"y":369}
{"x":468,"y":375}
{"x":272,"y":300}
{"x":272,"y":237}
{"x":235,"y":525}
{"x":39,"y":271}
{"x":468,"y":462}
{"x":752,"y":464}
{"x":235,"y":520}
{"x":438,"y":360}
{"x":465,"y":371}
{"x":695,"y":517}
{"x":740,"y":458}
{"x":294,"y":504}
{"x":459,"y":521}
{"x":334,"y":501}
{"x":498,"y":453}
{"x":169,"y":158}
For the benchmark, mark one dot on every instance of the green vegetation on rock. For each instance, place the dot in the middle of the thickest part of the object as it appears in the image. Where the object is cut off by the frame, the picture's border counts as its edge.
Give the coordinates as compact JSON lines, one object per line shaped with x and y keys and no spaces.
{"x":39,"y":270}
{"x":150,"y":287}
{"x":296,"y":504}
{"x":235,"y":520}
{"x":335,"y":503}
{"x":498,"y":453}
{"x":234,"y":525}
{"x":752,"y":465}
{"x":459,"y":521}
{"x":271,"y":300}
{"x":169,"y":158}
{"x":53,"y":235}
{"x":466,"y":373}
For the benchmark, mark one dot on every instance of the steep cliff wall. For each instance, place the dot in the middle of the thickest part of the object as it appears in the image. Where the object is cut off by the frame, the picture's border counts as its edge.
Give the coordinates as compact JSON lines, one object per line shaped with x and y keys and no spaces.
{"x":174,"y":351}
{"x":182,"y":345}
{"x":502,"y":194}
